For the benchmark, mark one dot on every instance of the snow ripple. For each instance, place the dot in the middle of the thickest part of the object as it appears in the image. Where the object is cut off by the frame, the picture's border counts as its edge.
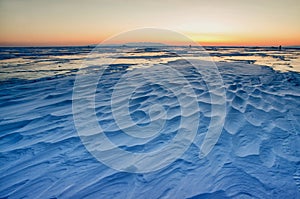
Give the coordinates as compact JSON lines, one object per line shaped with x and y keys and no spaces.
{"x":257,"y":155}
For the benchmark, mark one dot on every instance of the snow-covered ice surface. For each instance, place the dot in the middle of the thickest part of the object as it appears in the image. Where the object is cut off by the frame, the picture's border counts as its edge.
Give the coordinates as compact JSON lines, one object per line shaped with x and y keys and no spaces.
{"x":256,"y":156}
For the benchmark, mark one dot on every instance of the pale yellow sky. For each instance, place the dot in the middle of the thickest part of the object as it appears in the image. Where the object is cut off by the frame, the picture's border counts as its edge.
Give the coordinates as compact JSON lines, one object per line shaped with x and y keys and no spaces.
{"x":213,"y":22}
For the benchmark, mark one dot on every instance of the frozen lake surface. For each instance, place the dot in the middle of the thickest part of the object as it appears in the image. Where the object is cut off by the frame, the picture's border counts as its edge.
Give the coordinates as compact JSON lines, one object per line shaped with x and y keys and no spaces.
{"x":256,"y":156}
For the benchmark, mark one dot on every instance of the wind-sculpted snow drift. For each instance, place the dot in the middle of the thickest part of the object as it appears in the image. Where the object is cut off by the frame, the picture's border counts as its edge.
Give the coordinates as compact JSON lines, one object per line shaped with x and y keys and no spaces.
{"x":256,"y":156}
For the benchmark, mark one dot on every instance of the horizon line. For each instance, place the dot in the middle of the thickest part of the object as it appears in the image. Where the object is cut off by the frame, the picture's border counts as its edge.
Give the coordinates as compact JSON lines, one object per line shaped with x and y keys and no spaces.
{"x":163,"y":45}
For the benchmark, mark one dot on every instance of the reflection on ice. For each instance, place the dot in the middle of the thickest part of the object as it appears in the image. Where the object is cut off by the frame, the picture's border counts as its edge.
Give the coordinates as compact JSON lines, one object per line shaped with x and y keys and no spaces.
{"x":39,"y":62}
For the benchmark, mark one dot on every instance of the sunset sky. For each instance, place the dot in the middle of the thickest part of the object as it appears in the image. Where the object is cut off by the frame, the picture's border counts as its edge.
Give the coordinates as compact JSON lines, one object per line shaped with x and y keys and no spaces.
{"x":209,"y":22}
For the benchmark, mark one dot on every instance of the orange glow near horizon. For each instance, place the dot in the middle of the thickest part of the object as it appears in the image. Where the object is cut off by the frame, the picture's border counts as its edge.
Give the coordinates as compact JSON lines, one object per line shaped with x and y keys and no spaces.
{"x":204,"y":41}
{"x":245,"y":40}
{"x":216,"y":23}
